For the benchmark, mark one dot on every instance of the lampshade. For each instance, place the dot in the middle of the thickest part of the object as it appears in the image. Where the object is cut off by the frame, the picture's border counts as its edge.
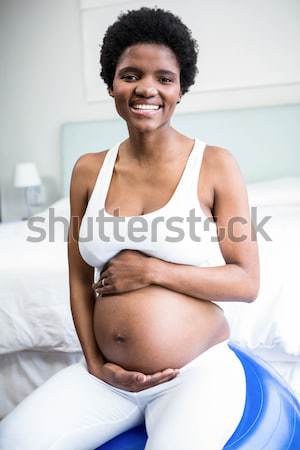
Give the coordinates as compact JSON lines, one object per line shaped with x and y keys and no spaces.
{"x":26,"y":174}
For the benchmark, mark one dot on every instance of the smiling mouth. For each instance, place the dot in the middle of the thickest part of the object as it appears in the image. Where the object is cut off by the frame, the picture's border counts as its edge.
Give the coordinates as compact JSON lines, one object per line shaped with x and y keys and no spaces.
{"x":145,"y":112}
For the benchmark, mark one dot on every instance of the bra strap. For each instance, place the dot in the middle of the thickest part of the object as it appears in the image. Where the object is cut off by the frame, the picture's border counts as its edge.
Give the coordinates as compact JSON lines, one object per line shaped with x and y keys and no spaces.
{"x":189,"y":184}
{"x":103,"y":179}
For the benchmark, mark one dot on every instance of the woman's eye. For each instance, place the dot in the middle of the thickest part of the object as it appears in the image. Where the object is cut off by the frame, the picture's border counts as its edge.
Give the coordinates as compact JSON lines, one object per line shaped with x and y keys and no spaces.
{"x":129,"y":77}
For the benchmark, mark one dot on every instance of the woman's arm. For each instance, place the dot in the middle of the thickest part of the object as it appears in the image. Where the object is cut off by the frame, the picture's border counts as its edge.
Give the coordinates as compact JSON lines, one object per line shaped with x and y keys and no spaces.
{"x":81,"y":275}
{"x":238,"y":280}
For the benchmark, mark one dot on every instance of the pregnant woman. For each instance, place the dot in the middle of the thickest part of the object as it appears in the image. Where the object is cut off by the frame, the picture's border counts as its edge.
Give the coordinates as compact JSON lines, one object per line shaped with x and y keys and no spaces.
{"x":159,"y":241}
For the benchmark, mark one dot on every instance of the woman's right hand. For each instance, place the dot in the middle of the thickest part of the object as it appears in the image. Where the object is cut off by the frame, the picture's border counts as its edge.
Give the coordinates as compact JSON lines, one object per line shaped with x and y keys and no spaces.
{"x":131,"y":380}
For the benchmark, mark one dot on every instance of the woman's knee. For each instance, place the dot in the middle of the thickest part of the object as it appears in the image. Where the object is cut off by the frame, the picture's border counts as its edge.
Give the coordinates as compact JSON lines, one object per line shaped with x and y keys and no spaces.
{"x":40,"y":417}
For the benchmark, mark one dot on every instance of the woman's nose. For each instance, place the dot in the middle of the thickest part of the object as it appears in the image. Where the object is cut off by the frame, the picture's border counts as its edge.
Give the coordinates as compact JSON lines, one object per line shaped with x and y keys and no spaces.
{"x":146,"y":91}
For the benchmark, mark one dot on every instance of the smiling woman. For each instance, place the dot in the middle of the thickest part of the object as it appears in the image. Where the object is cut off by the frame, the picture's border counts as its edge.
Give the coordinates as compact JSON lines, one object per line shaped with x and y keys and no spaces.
{"x":151,"y":323}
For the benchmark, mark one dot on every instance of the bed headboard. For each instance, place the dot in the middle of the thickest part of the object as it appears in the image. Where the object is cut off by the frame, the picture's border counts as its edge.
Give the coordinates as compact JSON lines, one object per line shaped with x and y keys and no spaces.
{"x":265,"y":140}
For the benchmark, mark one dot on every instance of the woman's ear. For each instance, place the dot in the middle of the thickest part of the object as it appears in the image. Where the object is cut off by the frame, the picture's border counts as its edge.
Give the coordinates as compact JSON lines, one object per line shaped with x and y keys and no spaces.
{"x":110,"y":92}
{"x":180,"y":96}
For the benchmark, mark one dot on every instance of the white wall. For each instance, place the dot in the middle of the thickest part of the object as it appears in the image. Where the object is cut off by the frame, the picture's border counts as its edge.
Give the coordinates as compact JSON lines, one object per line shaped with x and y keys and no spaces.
{"x":41,"y":87}
{"x":42,"y":83}
{"x":249,"y":52}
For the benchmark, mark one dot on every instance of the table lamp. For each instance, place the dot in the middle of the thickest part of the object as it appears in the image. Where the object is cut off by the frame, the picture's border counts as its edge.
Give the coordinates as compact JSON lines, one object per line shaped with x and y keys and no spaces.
{"x":27,"y":176}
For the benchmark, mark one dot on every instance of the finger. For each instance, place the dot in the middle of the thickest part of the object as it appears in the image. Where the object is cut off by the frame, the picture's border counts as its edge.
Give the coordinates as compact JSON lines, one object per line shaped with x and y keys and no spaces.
{"x":128,"y":376}
{"x":108,"y":284}
{"x":168,"y":378}
{"x":98,"y":283}
{"x":158,"y":377}
{"x":98,"y":294}
{"x":170,"y":371}
{"x":141,"y":378}
{"x":105,"y":290}
{"x":137,"y":378}
{"x":164,"y":375}
{"x":142,"y":381}
{"x":104,"y":273}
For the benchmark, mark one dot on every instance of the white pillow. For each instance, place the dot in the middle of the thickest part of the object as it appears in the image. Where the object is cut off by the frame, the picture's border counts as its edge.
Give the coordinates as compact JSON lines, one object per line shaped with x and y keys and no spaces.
{"x":281,"y":191}
{"x":272,"y":320}
{"x":54,"y":230}
{"x":61,"y":208}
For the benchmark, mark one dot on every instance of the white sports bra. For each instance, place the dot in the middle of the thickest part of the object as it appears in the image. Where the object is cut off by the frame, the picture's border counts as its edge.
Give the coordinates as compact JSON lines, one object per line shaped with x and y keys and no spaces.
{"x":165,"y":233}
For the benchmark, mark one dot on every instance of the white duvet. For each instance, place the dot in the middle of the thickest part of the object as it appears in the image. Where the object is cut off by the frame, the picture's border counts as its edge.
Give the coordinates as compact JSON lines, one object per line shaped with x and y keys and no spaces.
{"x":34,"y":293}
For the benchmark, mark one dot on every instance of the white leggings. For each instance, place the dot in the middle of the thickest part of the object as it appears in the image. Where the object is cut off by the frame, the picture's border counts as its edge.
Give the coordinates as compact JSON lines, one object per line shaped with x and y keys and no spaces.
{"x":197,"y":410}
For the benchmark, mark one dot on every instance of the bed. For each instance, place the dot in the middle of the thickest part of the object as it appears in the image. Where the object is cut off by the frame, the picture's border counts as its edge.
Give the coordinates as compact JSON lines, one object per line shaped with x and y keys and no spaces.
{"x":38,"y":337}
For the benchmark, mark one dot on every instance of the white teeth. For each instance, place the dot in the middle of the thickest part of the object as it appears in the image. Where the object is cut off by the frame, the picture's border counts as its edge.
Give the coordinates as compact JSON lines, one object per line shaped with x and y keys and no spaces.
{"x":146,"y":107}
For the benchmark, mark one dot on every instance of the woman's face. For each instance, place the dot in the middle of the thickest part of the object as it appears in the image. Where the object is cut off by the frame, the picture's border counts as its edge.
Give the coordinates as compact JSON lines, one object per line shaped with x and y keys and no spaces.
{"x":146,"y":74}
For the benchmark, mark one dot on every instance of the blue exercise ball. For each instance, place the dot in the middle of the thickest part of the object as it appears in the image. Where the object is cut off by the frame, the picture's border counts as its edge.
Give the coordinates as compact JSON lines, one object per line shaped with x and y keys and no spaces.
{"x":271,"y":418}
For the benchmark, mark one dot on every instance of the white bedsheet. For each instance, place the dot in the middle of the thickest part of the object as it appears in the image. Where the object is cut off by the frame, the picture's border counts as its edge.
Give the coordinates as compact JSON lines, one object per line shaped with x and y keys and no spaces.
{"x":272,"y":320}
{"x":22,"y":372}
{"x":34,"y":295}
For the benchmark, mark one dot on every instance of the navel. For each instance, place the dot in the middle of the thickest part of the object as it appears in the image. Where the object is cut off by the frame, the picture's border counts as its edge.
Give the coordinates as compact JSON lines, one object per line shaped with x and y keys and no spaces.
{"x":119,"y":338}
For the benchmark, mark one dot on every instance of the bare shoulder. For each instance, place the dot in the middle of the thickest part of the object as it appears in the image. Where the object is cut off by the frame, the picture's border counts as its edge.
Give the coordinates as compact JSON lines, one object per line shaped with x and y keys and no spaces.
{"x":86,"y":169}
{"x":84,"y":175}
{"x":219,"y":159}
{"x":89,"y":163}
{"x":222,"y":167}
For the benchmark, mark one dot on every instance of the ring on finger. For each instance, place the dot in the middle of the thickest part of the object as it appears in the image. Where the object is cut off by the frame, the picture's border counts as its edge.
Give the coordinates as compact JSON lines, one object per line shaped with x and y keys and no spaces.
{"x":98,"y":294}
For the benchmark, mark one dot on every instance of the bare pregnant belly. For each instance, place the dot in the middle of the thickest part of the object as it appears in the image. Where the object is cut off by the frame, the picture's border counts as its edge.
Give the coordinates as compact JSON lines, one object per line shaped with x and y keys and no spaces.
{"x":153,"y":328}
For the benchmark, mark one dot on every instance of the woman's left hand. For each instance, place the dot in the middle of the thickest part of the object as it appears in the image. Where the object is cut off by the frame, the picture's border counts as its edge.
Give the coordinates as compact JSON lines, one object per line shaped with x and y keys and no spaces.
{"x":127,"y":271}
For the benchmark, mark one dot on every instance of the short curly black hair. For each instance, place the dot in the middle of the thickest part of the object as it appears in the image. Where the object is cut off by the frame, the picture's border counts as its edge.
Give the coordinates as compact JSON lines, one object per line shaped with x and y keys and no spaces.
{"x":155,"y":26}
